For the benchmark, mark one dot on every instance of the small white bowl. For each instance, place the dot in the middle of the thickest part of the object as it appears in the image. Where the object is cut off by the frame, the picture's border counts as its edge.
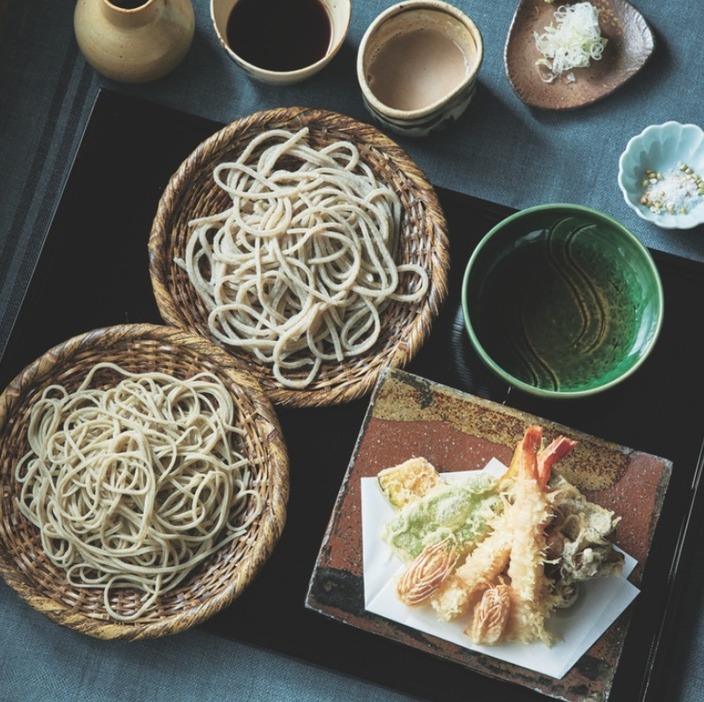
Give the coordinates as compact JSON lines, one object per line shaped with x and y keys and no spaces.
{"x":338,"y":11}
{"x":662,"y":148}
{"x":417,"y":65}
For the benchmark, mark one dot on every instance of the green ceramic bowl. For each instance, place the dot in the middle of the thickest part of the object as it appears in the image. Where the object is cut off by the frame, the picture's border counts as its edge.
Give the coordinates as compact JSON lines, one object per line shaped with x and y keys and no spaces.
{"x":562,"y":301}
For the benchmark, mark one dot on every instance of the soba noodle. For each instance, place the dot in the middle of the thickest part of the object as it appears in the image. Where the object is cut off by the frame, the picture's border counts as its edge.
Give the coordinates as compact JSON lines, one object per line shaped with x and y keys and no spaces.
{"x":299,"y":268}
{"x":134,"y":485}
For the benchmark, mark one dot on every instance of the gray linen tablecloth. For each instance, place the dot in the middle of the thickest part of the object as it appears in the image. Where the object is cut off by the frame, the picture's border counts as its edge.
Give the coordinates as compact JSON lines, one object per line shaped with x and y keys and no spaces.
{"x":499,"y":150}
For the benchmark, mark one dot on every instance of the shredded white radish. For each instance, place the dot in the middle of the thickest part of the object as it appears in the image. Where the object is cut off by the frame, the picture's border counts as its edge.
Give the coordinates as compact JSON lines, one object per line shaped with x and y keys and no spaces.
{"x":573,"y":43}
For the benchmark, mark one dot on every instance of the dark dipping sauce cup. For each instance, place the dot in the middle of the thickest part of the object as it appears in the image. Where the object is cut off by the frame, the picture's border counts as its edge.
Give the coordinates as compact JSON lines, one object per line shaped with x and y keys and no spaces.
{"x":281,"y":41}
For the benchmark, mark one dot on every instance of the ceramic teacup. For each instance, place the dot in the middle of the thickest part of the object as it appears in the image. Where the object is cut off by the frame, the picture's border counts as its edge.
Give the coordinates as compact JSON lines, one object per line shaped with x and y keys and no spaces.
{"x":281,"y":43}
{"x":417,"y":65}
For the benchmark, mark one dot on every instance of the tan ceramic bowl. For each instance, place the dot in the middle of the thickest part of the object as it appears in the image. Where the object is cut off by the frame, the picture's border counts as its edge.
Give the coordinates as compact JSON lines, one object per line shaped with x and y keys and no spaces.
{"x":338,"y":11}
{"x":417,"y":66}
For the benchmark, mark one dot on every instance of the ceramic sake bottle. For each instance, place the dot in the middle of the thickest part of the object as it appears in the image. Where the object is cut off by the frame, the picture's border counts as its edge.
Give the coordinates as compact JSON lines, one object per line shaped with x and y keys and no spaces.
{"x":134,"y":41}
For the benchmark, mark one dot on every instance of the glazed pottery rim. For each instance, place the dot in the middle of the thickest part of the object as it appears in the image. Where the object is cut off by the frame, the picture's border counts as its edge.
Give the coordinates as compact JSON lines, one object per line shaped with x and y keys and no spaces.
{"x":596,"y":386}
{"x":411,"y":6}
{"x":114,"y":4}
{"x":302,"y":72}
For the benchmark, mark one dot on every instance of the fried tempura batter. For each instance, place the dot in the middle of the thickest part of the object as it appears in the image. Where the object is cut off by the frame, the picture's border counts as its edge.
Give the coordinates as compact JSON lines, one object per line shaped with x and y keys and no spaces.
{"x":541,"y":539}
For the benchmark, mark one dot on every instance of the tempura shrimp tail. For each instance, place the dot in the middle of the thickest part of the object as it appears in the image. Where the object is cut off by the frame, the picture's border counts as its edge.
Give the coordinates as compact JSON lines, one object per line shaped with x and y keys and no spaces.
{"x":524,"y":461}
{"x":550,"y":455}
{"x":530,"y":460}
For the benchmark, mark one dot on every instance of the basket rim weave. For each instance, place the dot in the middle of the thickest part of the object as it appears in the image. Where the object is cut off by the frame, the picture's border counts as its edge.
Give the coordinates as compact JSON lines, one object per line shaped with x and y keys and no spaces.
{"x":17,"y":561}
{"x":424,"y":219}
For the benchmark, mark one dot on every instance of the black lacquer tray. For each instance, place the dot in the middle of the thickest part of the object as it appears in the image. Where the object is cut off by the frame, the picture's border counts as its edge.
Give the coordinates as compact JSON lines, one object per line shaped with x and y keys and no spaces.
{"x":93,"y":272}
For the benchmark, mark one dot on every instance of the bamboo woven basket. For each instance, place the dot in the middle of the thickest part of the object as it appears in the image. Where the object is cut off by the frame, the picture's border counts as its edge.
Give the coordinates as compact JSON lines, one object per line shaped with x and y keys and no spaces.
{"x":217,"y":581}
{"x":192,"y":193}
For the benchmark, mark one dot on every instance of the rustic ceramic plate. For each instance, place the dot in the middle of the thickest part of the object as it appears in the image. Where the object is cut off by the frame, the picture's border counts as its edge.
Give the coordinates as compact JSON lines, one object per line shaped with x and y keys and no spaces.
{"x":630,"y":44}
{"x":411,"y":416}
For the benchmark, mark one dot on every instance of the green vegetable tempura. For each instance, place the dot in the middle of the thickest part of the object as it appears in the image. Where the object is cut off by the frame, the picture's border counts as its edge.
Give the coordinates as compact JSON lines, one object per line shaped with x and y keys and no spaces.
{"x":461,"y":510}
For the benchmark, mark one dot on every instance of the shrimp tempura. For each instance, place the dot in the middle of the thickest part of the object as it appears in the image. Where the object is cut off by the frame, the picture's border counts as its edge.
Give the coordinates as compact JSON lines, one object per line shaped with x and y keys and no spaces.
{"x":516,"y":546}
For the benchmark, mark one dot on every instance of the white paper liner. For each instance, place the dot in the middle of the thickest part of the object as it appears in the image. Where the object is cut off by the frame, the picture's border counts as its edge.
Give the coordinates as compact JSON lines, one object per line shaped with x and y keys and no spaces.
{"x":600,"y":601}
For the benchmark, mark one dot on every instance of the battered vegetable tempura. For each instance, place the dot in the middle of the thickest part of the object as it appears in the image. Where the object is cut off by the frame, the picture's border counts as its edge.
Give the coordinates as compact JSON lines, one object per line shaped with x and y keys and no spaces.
{"x":459,"y":512}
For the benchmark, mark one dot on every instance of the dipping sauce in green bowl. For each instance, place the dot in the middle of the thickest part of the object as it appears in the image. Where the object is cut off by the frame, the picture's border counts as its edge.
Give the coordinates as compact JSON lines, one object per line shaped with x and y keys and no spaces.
{"x":562,"y":301}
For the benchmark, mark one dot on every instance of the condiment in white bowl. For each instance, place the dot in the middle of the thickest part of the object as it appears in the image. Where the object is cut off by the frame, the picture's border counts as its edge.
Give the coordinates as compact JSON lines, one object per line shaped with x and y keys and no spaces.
{"x":661,"y":175}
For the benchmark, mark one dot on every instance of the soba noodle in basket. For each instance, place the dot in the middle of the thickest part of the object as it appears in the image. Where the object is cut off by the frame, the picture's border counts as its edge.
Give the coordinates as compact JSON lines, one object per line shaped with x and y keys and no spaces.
{"x":134,"y":485}
{"x":298,"y":269}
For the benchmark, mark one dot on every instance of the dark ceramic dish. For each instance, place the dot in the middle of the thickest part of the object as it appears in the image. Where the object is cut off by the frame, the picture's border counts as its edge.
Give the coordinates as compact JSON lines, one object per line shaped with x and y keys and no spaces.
{"x":657,"y":410}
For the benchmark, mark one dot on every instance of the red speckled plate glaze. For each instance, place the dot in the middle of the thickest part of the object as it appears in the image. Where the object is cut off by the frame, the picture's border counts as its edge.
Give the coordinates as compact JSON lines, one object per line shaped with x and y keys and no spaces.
{"x":411,"y":416}
{"x":630,"y":44}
